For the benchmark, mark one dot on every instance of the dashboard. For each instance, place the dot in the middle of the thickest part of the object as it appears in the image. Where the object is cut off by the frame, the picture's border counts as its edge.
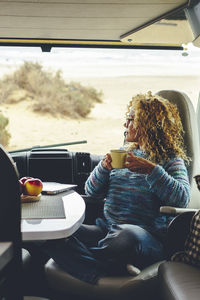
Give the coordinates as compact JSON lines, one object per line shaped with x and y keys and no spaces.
{"x":58,"y":165}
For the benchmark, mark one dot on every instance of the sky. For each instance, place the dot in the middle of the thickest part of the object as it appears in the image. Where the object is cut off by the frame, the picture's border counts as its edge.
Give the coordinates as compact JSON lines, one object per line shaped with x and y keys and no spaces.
{"x":78,"y":62}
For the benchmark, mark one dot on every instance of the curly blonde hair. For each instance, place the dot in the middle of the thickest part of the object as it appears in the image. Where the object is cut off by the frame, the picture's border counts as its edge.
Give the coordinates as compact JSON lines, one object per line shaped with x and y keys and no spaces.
{"x":160,"y":127}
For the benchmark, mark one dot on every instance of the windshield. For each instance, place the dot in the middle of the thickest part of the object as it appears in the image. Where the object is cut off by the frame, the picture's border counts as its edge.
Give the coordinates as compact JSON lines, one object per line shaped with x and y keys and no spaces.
{"x":76,"y":94}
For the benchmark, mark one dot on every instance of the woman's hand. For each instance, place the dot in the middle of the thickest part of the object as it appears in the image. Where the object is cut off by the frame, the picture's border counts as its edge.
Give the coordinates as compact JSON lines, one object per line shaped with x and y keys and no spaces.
{"x":106,"y":162}
{"x":138,"y":164}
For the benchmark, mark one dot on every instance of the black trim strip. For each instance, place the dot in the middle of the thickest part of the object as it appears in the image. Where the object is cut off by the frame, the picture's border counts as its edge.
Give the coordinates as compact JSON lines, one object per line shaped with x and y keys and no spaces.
{"x":46,"y":47}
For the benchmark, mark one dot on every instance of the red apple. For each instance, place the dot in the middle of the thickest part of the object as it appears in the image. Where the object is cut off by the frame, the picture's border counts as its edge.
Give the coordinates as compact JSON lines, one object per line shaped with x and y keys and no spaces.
{"x":22,"y":181}
{"x":33,"y":186}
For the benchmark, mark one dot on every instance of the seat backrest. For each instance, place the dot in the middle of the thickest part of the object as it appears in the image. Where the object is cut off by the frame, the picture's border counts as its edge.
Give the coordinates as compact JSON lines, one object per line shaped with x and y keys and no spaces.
{"x":189,"y":121}
{"x":198,"y":116}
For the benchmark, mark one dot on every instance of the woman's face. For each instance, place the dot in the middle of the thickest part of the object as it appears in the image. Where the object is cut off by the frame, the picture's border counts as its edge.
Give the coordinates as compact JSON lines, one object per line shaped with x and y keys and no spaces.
{"x":131,"y":133}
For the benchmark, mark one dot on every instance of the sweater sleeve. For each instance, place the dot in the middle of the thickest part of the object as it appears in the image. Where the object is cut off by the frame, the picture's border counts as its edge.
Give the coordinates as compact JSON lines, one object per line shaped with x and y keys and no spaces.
{"x":97,"y":183}
{"x":171,"y":183}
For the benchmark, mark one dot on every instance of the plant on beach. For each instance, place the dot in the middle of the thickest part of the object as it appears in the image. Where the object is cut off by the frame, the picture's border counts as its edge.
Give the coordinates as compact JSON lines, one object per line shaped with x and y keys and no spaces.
{"x":48,"y":92}
{"x":4,"y":134}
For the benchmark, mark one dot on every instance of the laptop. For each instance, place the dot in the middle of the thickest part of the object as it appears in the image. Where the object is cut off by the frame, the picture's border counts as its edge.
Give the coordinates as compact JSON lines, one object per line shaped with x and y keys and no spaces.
{"x":52,"y":188}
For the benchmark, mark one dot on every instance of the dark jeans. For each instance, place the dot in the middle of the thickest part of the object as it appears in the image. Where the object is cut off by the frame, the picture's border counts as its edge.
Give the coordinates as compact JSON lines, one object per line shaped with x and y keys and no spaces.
{"x":93,"y":251}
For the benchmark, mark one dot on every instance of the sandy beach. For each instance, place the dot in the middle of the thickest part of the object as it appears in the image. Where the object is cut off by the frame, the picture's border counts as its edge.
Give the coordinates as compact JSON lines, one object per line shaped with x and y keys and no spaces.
{"x":103,"y":128}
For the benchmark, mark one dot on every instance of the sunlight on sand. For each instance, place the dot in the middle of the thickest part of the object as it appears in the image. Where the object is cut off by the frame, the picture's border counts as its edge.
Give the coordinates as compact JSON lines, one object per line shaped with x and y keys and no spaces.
{"x":103,"y":129}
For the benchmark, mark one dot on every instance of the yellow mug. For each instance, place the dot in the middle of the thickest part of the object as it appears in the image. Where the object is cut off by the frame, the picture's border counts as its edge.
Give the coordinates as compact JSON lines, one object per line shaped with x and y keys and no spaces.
{"x":118,"y":158}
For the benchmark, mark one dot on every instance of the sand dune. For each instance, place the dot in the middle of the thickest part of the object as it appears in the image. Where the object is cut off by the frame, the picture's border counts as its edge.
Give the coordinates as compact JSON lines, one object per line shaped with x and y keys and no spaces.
{"x":103,"y":129}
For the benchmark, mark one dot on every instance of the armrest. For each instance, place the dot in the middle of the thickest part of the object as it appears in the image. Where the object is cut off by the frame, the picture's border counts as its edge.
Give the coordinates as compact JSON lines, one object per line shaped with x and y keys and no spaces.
{"x":170,"y":210}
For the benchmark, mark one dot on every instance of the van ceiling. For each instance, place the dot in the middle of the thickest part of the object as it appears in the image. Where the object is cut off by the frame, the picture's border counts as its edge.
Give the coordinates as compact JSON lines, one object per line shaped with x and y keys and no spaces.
{"x":91,"y":20}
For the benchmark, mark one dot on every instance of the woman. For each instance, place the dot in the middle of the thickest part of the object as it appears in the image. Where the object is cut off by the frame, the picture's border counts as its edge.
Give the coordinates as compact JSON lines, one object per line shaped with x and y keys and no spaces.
{"x":132,"y":232}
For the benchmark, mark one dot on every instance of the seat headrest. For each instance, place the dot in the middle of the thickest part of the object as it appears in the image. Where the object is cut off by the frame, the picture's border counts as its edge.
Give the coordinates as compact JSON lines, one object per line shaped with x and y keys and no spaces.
{"x":187,"y":114}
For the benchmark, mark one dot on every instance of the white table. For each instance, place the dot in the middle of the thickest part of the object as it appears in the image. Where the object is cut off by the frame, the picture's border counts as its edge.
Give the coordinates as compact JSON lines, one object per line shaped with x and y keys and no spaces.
{"x":45,"y":229}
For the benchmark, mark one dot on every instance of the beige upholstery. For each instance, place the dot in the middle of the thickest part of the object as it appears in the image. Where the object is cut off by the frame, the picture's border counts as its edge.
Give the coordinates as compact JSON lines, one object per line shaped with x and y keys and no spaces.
{"x":179,"y":281}
{"x":191,"y":137}
{"x":188,"y":118}
{"x":198,"y":116}
{"x":144,"y":285}
{"x":107,"y":288}
{"x":26,"y":259}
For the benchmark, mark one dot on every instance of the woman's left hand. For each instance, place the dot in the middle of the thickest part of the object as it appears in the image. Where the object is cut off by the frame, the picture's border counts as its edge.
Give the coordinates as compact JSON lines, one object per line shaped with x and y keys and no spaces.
{"x":138,"y":164}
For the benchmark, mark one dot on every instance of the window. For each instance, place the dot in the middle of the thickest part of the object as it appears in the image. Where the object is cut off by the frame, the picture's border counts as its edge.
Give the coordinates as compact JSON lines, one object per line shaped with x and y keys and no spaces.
{"x":114,"y":75}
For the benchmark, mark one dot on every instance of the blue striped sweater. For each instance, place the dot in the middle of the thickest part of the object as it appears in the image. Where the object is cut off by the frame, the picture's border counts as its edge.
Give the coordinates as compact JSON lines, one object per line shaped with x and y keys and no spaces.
{"x":132,"y":198}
